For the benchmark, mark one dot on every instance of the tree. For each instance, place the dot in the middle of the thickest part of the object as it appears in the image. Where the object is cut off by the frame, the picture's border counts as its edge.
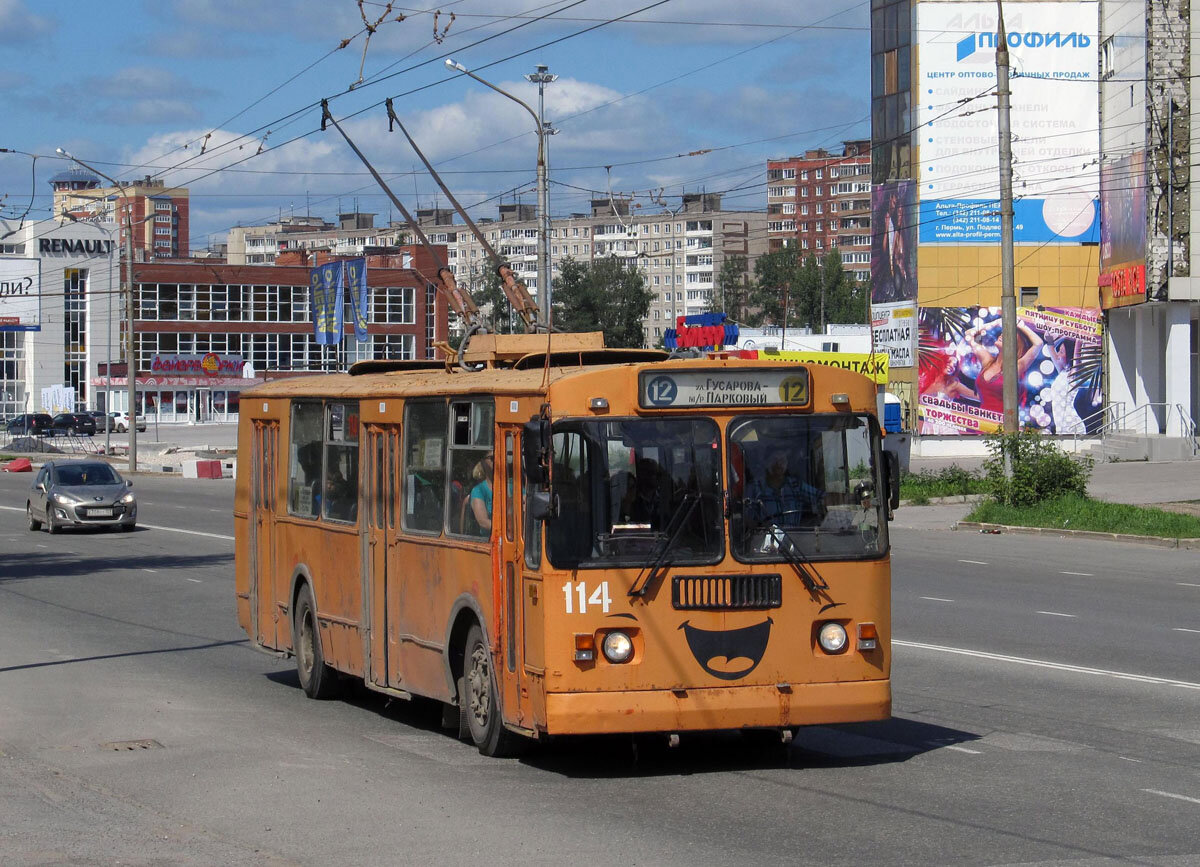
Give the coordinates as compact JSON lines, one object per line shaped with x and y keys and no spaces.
{"x":487,"y":290}
{"x":844,"y":297}
{"x":607,"y":295}
{"x":777,"y":286}
{"x":732,"y":295}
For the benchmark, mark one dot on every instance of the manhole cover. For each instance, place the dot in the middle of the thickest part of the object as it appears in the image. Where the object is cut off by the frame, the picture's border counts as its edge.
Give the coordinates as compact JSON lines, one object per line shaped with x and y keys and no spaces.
{"x":129,"y":746}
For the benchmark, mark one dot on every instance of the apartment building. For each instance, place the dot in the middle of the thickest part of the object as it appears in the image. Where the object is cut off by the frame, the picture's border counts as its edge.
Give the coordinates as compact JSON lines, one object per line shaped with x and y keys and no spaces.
{"x":159,"y":214}
{"x":822,"y":200}
{"x":680,"y":251}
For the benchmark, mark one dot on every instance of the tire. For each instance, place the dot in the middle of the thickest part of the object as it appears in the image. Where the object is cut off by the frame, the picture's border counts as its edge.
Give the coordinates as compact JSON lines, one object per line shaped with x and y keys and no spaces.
{"x":51,"y":525}
{"x":479,"y":698}
{"x":128,"y":528}
{"x":318,"y":679}
{"x":34,"y":523}
{"x":120,"y":428}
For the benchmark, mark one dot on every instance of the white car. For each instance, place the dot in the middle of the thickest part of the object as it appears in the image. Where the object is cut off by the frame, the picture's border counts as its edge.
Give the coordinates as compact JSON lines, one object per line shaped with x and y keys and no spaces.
{"x":122,"y":422}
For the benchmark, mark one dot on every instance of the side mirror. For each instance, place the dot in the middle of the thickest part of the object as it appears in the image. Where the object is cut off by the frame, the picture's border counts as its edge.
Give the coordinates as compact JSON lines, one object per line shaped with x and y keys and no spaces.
{"x":535,"y":452}
{"x":40,"y":487}
{"x":891,"y":463}
{"x":129,"y":483}
{"x":543,"y":505}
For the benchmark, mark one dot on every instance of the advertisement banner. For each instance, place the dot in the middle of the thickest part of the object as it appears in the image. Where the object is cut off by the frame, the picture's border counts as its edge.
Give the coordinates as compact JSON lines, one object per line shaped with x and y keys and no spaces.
{"x":1052,"y":48}
{"x":20,"y":294}
{"x":1059,"y":361}
{"x":1123,"y":231}
{"x":874,"y":367}
{"x":356,"y":286}
{"x":327,"y":291}
{"x":894,"y":332}
{"x":894,"y":242}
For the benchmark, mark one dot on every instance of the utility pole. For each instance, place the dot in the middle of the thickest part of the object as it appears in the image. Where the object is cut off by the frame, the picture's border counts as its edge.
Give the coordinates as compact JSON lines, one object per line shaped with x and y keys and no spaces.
{"x":541,"y":78}
{"x":1008,"y":298}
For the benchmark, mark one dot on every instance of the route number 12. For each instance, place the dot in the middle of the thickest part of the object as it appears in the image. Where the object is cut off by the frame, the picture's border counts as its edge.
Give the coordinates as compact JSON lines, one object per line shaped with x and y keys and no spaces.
{"x":599,"y":596}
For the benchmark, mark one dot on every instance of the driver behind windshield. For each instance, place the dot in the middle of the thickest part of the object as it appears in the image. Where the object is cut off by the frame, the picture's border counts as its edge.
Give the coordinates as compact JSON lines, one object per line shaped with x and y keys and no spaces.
{"x":779,"y":495}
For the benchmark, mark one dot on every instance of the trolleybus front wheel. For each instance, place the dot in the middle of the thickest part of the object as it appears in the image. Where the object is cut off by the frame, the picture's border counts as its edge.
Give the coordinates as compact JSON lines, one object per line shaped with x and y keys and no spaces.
{"x":478,"y":697}
{"x":317,"y":678}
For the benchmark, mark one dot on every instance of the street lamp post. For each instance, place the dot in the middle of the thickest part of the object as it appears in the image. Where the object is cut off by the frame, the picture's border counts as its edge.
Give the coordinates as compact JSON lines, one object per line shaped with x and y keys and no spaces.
{"x":130,"y":357}
{"x":541,"y":78}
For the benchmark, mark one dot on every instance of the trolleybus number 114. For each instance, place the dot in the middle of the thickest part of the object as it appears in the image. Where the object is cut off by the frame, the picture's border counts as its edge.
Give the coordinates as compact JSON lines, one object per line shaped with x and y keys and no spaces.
{"x":599,"y":596}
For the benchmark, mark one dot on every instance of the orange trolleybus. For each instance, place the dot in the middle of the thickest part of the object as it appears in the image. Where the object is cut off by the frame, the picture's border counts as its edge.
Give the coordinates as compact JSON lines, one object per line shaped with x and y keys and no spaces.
{"x":574,"y":540}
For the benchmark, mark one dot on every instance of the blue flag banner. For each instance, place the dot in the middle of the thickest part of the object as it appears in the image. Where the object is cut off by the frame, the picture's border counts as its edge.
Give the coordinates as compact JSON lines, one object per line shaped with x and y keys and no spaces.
{"x":326,"y":285}
{"x":356,"y":286}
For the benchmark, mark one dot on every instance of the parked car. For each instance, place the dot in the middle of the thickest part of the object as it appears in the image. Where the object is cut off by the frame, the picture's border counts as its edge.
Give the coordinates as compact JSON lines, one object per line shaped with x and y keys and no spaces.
{"x":104,"y":421}
{"x":30,"y":424}
{"x":80,"y":494}
{"x":75,"y":422}
{"x":122,"y":420}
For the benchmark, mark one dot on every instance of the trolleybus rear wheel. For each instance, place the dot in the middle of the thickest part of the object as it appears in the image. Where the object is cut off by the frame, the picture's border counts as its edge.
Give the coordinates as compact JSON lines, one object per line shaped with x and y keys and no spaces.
{"x":317,"y":678}
{"x":479,"y":698}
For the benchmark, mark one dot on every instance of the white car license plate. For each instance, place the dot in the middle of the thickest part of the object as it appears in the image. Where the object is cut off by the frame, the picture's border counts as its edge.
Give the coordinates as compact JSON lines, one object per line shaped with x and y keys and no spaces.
{"x":100,"y":513}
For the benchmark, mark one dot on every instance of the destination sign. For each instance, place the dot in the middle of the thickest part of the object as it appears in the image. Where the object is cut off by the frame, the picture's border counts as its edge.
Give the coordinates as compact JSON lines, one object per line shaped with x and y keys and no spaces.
{"x":717,"y":388}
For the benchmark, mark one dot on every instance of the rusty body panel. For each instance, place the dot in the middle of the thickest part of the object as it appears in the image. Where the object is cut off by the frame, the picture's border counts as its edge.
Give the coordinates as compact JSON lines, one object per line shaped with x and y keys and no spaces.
{"x":392,"y":604}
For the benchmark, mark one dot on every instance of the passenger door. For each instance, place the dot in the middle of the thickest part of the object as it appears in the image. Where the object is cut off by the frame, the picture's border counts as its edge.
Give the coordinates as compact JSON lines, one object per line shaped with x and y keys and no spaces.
{"x":262,"y":580}
{"x":383,"y":449}
{"x":514,"y":689}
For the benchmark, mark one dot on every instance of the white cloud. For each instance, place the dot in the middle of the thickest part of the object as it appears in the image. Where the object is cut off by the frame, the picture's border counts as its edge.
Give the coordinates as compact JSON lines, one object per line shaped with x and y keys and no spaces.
{"x":19,"y":25}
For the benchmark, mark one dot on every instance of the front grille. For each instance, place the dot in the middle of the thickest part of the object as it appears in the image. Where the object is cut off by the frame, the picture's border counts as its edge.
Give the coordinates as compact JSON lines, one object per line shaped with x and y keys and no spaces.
{"x":719,"y":592}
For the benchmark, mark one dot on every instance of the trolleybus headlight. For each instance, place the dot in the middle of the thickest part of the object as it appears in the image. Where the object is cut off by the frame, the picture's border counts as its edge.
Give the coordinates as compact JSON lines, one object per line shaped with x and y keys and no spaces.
{"x":617,"y":647}
{"x":832,"y":637}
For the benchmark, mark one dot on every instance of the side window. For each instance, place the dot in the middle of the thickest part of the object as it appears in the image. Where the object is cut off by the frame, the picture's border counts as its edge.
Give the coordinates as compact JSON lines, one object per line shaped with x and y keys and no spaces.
{"x":533,"y":528}
{"x":339,"y":500}
{"x":509,"y":481}
{"x":425,"y":426}
{"x":304,"y":464}
{"x":471,"y":470}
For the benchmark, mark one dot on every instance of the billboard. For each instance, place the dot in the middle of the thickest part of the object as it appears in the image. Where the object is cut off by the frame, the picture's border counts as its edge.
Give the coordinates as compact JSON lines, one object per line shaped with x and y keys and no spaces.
{"x":960,"y":383}
{"x":894,"y":242}
{"x":894,"y":332}
{"x":1055,"y":121}
{"x":20,"y":294}
{"x":1123,"y":231}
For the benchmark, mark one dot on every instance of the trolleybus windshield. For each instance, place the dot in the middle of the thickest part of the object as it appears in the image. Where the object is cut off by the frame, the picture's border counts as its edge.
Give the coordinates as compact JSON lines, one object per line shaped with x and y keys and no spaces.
{"x":812,"y":482}
{"x":627,"y":486}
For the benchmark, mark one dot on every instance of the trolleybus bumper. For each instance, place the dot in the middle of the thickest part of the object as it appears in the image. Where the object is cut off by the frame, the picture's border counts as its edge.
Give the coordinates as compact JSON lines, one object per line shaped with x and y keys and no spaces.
{"x":714,"y":708}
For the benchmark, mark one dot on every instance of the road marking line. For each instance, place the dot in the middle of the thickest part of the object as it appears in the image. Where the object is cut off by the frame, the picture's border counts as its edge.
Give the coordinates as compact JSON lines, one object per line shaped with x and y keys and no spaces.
{"x":1127,"y":759}
{"x":189,"y":532}
{"x":973,"y":562}
{"x":1082,"y":574}
{"x":1057,"y":614}
{"x":1042,"y":663}
{"x":936,"y":599}
{"x":965,"y":750}
{"x":1184,"y":629}
{"x":150,"y":526}
{"x":150,"y":570}
{"x":1172,"y":795}
{"x":196,"y":580}
{"x":1185,"y":584}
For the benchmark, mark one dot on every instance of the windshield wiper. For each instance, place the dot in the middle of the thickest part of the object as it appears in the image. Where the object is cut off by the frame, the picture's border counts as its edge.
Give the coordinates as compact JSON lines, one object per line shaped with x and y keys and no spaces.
{"x":679,"y":520}
{"x":798,"y":560}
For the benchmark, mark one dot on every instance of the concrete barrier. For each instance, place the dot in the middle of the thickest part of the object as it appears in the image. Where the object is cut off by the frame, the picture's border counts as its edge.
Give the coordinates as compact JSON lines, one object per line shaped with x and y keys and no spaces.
{"x":202,"y":469}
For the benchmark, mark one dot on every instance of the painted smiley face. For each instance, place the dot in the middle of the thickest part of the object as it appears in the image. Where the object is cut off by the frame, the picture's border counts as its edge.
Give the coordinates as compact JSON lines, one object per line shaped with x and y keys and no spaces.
{"x":728,"y":654}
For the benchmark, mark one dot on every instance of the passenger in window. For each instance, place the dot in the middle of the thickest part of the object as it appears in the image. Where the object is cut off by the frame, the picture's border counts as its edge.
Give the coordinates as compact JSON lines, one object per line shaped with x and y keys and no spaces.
{"x":341,"y":503}
{"x":643,"y":503}
{"x":481,"y":495}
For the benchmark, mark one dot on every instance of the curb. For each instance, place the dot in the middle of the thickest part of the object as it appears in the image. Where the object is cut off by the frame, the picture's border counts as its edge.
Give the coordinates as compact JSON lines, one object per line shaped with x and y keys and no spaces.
{"x":941,"y":501}
{"x":1156,"y":541}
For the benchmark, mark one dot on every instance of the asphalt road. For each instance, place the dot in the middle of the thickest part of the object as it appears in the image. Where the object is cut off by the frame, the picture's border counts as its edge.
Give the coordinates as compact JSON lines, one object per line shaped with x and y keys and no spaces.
{"x":1047,"y":710}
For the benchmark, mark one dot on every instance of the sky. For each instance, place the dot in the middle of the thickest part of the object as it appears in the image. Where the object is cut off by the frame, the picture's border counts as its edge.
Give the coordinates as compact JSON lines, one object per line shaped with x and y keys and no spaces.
{"x":654,"y":98}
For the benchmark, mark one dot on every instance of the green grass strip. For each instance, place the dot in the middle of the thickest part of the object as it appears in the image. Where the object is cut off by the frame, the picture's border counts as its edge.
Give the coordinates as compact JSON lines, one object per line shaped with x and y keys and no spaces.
{"x":952,"y":481}
{"x":1081,"y":513}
